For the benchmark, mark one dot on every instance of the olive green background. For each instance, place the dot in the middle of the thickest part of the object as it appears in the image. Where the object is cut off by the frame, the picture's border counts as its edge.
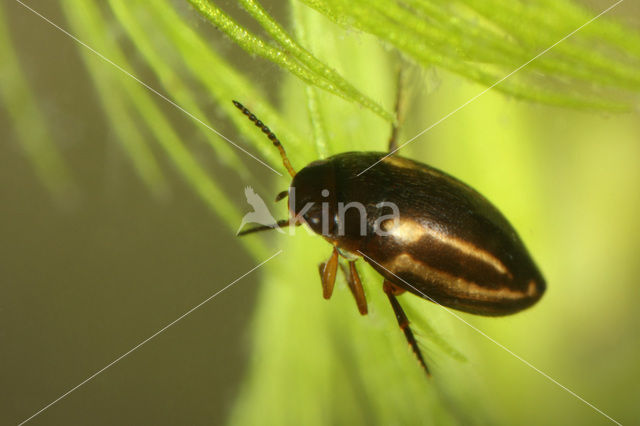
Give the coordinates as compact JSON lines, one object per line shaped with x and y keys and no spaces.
{"x":84,"y":280}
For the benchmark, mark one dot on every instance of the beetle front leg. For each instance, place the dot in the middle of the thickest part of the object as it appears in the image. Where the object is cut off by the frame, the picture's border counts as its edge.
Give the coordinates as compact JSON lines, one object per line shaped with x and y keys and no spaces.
{"x":279,"y":224}
{"x":328,"y":271}
{"x":391,"y":290}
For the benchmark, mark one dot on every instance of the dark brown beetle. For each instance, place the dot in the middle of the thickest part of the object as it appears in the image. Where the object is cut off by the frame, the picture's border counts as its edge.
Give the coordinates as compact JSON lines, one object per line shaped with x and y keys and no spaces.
{"x":449,"y":244}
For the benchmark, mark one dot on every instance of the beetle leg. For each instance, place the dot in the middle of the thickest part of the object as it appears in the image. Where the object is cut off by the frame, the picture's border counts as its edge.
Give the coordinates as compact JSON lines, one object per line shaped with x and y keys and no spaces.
{"x":355,"y":285}
{"x":280,"y":224}
{"x":282,"y":195}
{"x":328,"y":271}
{"x":391,"y":291}
{"x":393,"y":142}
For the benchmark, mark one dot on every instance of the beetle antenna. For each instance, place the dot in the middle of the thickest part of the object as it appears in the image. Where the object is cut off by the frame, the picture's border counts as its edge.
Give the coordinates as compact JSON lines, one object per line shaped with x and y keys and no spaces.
{"x":272,"y":136}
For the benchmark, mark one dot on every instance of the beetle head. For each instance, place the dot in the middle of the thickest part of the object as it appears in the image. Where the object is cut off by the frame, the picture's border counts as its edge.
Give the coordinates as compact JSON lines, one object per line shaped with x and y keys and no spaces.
{"x":312,"y":197}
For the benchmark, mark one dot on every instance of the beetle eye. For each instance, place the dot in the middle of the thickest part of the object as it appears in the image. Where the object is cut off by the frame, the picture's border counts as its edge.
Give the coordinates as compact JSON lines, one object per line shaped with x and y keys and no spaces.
{"x":313,"y":220}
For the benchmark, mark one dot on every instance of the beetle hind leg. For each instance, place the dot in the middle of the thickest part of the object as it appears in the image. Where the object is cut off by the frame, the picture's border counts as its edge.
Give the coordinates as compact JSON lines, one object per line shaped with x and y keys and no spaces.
{"x":391,"y":292}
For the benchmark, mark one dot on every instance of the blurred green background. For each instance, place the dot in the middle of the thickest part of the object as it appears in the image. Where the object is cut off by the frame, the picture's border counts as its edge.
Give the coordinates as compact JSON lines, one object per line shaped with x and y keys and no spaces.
{"x":110,"y":230}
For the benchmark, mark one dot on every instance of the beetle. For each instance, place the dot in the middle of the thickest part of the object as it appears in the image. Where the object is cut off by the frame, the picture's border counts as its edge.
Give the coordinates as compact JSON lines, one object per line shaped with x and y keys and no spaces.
{"x":449,"y":245}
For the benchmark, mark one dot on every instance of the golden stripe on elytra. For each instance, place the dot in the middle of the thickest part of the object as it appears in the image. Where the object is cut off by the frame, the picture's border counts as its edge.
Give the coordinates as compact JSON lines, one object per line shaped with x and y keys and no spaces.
{"x":462,"y":287}
{"x":409,"y":231}
{"x":404,"y":163}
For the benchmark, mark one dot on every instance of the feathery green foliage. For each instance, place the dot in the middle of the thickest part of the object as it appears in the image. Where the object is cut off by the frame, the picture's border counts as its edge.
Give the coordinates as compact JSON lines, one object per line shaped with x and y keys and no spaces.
{"x":87,"y":22}
{"x":29,"y":124}
{"x":289,"y":55}
{"x":126,"y":99}
{"x":486,"y":41}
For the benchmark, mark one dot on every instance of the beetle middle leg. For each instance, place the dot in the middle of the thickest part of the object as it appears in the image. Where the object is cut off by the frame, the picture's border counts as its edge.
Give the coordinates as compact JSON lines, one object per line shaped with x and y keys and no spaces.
{"x":391,"y":290}
{"x":355,"y":285}
{"x":328,"y":271}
